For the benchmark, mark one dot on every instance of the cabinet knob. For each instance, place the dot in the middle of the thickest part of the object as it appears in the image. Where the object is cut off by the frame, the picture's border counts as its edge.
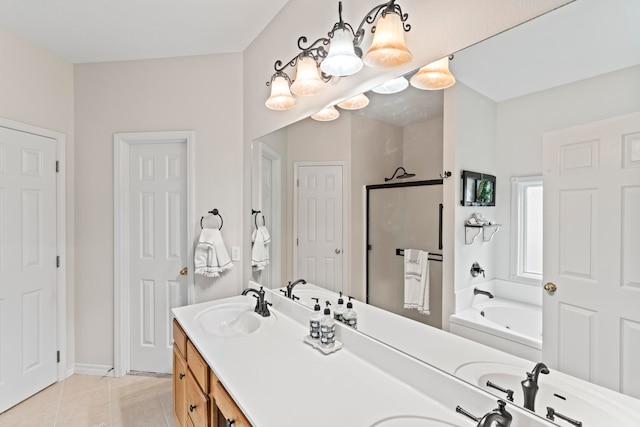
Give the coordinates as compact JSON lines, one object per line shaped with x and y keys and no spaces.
{"x":550,"y":287}
{"x":230,"y":422}
{"x":181,"y":376}
{"x":192,"y":408}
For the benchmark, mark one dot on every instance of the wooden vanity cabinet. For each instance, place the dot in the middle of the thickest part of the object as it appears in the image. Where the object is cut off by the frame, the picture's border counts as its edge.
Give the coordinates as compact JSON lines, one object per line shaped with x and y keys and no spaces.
{"x":199,"y":399}
{"x":190,"y":383}
{"x":225,"y":412}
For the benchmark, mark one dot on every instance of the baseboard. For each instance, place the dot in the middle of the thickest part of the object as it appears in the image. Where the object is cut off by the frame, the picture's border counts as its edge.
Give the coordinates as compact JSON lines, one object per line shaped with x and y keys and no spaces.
{"x":99,"y":370}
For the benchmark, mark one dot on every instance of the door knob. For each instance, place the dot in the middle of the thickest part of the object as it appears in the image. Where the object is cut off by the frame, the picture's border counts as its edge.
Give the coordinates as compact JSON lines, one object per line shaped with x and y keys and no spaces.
{"x":550,"y":287}
{"x":184,"y":271}
{"x":338,"y":251}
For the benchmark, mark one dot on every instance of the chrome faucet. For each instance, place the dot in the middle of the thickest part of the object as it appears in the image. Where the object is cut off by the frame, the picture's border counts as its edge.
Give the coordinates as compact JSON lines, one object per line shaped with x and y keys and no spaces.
{"x":530,"y":385}
{"x":497,"y":417}
{"x":477,"y":291}
{"x":262,"y":305}
{"x":291,"y":285}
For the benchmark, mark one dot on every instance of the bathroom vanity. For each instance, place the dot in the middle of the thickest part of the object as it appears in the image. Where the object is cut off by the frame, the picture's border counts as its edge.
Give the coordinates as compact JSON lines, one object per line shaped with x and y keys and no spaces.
{"x":235,"y":368}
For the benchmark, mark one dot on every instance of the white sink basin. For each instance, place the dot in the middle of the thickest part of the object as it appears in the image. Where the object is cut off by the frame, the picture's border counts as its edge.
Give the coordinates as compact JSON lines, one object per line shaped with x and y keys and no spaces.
{"x":568,"y":396}
{"x":232,"y":320}
{"x":412,"y":421}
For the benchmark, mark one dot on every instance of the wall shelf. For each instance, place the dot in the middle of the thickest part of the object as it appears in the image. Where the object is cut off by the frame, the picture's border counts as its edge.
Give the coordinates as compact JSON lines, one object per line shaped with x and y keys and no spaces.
{"x":473,"y":231}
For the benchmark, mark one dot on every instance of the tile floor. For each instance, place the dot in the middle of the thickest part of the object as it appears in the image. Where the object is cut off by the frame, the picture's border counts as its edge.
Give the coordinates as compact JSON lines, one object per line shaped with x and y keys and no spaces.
{"x":94,"y":401}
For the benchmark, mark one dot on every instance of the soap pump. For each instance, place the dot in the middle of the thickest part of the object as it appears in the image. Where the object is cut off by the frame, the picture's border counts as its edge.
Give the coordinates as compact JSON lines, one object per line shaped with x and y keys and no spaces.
{"x":327,"y":329}
{"x":350,"y":317}
{"x":339,"y":311}
{"x":314,"y":321}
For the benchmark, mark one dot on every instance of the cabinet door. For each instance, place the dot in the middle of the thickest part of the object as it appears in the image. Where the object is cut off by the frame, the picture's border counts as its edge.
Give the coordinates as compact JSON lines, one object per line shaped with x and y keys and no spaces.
{"x":198,"y":367}
{"x":179,"y":387}
{"x":228,"y":408}
{"x":197,"y":402}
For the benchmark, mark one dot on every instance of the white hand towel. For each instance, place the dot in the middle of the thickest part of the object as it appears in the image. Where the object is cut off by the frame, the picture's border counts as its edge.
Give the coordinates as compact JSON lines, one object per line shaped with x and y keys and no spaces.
{"x":260,"y":250}
{"x":211,"y":257}
{"x":416,"y":280}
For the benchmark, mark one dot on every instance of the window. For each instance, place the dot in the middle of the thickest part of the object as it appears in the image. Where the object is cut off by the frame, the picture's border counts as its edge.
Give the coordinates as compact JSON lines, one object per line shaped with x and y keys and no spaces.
{"x":526,"y":229}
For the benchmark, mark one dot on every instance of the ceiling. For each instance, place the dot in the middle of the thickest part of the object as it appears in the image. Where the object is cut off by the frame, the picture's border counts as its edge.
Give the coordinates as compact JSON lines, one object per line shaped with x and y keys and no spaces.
{"x":83,"y":31}
{"x":580,"y":40}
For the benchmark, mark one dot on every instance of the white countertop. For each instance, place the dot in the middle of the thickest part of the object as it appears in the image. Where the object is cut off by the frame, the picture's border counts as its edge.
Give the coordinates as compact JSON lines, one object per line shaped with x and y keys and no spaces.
{"x":278,"y":380}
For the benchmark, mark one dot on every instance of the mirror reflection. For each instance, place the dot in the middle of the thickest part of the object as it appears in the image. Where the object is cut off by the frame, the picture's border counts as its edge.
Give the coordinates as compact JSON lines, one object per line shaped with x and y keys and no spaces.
{"x":514,"y":113}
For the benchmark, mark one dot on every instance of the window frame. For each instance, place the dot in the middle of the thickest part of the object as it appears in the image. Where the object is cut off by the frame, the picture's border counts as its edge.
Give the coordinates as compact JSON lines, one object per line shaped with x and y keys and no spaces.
{"x":519,"y":186}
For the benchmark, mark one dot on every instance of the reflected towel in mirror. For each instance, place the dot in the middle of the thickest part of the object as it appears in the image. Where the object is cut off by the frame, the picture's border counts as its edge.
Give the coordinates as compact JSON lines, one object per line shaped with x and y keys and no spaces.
{"x":260,"y":250}
{"x":416,"y":280}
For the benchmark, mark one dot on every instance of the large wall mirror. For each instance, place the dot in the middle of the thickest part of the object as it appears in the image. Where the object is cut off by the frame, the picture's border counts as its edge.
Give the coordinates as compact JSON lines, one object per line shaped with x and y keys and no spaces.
{"x":574,"y":66}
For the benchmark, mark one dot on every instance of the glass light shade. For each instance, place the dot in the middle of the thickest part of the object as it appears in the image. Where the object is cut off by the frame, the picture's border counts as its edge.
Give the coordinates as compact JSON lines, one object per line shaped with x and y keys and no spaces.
{"x":326,"y":114}
{"x":392,"y":86}
{"x":388,"y":48}
{"x":308,"y":81}
{"x":341,"y":59}
{"x":434,"y":76}
{"x":355,"y":103}
{"x":281,"y":98}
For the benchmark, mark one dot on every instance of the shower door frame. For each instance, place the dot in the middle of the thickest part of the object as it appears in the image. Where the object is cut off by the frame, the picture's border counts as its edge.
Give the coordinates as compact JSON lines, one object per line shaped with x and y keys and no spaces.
{"x":386,"y":186}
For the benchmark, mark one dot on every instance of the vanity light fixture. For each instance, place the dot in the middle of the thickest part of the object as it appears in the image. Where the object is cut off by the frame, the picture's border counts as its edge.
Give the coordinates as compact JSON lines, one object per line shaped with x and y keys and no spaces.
{"x":434,"y":76}
{"x":388,"y":48}
{"x":355,"y":102}
{"x":343,"y":55}
{"x":392,"y":86}
{"x":308,"y":81}
{"x":280,"y":98}
{"x":326,"y":114}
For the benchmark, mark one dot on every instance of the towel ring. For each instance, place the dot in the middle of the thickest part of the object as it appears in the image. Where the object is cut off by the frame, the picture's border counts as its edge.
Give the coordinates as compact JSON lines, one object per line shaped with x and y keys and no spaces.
{"x":255,"y":218}
{"x":216,"y":213}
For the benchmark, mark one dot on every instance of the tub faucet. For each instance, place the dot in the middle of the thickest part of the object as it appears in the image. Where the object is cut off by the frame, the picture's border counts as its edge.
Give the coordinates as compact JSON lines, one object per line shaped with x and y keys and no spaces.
{"x":498,"y":417}
{"x":530,"y":385}
{"x":477,"y":291}
{"x":262,"y":305}
{"x":291,"y":285}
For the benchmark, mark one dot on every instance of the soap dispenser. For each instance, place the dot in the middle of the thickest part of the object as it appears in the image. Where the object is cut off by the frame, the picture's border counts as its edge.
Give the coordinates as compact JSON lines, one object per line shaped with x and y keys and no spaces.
{"x":350,"y":317}
{"x":314,"y":321}
{"x":339,"y":312}
{"x":327,"y":329}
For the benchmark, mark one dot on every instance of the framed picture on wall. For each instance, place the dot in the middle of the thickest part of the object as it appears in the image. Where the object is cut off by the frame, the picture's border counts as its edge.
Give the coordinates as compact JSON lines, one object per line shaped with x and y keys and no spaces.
{"x":478,"y":189}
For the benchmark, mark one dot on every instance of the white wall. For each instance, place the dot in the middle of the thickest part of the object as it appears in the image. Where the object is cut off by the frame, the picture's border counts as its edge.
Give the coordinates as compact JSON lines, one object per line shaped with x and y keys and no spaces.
{"x":203,"y":94}
{"x":423,"y":149}
{"x":522,"y":121}
{"x":37,"y":89}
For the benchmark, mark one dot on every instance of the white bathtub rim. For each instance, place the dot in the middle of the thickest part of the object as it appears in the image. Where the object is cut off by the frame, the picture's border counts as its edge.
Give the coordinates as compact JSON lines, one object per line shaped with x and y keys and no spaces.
{"x":472,"y":319}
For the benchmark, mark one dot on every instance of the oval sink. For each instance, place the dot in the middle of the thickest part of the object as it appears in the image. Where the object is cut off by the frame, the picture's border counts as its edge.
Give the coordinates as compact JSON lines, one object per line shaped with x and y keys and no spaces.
{"x":567,"y":396}
{"x":232,"y":320}
{"x":412,"y":421}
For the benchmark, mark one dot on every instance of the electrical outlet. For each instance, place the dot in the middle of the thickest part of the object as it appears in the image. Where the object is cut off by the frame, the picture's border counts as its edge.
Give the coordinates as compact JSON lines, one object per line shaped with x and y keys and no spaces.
{"x":235,"y":253}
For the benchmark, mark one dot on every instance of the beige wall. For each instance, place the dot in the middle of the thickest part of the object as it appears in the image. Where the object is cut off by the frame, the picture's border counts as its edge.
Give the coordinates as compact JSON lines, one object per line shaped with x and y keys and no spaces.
{"x":422,"y":148}
{"x":37,"y":89}
{"x":203,"y":94}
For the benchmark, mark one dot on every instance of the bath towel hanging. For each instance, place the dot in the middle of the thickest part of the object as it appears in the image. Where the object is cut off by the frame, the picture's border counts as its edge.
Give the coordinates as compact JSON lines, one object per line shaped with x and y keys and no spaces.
{"x":211,"y":257}
{"x":416,"y":280}
{"x":260,"y":250}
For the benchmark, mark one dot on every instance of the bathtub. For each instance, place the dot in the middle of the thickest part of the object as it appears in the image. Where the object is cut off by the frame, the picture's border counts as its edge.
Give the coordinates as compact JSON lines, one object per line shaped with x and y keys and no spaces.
{"x":511,"y":326}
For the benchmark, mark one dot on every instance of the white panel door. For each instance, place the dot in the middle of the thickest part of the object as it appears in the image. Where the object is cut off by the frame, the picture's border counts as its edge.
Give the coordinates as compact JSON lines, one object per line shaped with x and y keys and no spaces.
{"x":27,"y":265}
{"x":319,"y":232}
{"x":158,"y":200}
{"x":592,"y":252}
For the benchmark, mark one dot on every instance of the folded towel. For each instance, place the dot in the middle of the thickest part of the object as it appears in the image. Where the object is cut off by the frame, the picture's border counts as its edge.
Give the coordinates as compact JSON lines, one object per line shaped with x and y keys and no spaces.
{"x":260,"y":250}
{"x":416,"y":280}
{"x":211,"y":257}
